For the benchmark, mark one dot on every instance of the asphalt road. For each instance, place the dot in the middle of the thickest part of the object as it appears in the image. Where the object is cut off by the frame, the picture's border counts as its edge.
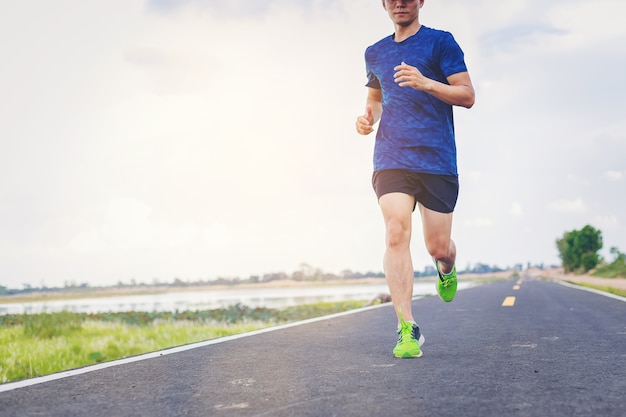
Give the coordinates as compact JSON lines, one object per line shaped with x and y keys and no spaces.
{"x":556,"y":351}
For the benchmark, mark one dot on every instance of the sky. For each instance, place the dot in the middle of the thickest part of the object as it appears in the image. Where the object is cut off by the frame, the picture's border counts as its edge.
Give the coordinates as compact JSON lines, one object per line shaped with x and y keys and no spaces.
{"x":197,"y":139}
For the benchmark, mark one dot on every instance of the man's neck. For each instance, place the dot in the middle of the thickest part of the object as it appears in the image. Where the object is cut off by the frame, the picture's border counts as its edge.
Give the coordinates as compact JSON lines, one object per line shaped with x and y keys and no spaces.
{"x":404,"y":32}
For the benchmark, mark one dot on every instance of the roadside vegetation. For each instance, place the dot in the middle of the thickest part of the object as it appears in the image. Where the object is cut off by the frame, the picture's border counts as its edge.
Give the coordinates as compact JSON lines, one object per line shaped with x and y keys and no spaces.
{"x":615,"y":269}
{"x":33,"y":345}
{"x":578,"y":250}
{"x":609,"y":289}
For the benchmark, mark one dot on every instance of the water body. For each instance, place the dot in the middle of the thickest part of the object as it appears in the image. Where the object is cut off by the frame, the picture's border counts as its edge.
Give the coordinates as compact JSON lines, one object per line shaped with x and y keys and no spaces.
{"x":212,"y":299}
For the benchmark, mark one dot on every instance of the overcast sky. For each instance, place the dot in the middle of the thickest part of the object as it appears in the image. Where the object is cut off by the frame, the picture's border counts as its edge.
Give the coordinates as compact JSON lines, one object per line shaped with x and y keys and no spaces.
{"x":203,"y":139}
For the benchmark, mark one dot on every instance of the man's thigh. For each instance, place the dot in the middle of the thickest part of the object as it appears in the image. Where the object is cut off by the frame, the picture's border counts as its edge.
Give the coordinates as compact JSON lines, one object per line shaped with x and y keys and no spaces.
{"x":437,"y":226}
{"x":397,"y":209}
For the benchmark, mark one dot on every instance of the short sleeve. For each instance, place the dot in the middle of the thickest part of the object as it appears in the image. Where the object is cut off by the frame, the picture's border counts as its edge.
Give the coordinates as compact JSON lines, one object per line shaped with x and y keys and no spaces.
{"x":372,"y":80}
{"x":452,"y":58}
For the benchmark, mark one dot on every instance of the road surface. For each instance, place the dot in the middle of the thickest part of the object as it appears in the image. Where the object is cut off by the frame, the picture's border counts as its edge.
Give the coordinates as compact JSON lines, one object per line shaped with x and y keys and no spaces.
{"x":514,"y":348}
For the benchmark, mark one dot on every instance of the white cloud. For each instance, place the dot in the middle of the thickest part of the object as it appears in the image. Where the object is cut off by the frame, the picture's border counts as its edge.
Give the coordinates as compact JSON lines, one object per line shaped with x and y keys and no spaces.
{"x":516,"y":209}
{"x":479,"y":222}
{"x":614,"y":175}
{"x":607,"y":221}
{"x":568,"y":206}
{"x":176,"y":71}
{"x":129,"y":224}
{"x":602,"y":19}
{"x":473,"y":175}
{"x":217,"y":235}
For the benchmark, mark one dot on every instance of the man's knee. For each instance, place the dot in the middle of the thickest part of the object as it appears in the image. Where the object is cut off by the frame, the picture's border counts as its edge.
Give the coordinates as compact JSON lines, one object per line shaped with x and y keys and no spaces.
{"x":398,"y":234}
{"x":439,"y":247}
{"x":442,"y":249}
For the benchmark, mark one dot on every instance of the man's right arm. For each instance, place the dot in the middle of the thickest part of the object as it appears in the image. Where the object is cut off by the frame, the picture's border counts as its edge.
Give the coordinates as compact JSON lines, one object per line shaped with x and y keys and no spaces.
{"x":373,"y":111}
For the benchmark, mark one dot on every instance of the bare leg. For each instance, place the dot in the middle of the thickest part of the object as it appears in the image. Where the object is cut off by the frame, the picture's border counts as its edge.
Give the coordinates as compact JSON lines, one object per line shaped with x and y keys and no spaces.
{"x":437,"y":237}
{"x":397,"y":209}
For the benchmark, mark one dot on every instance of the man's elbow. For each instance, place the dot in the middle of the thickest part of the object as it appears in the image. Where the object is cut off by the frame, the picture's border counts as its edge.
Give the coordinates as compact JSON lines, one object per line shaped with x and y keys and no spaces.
{"x":468,"y":100}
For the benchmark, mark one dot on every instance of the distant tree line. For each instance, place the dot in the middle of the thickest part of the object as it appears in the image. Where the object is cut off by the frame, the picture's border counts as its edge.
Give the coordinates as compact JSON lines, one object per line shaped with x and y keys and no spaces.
{"x":304,"y":273}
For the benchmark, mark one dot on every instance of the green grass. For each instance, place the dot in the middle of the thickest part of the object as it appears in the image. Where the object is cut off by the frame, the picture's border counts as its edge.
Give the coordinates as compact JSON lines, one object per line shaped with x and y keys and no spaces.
{"x":610,"y":290}
{"x":42,"y":344}
{"x":26,"y":357}
{"x":614,"y":270}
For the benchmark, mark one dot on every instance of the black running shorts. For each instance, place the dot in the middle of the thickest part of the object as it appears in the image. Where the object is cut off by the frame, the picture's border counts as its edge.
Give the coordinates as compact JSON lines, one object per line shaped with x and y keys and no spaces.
{"x":435,"y":192}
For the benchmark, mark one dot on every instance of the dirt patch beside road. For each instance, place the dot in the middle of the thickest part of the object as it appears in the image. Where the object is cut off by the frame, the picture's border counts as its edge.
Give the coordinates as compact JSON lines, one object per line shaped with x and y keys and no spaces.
{"x":557,"y":274}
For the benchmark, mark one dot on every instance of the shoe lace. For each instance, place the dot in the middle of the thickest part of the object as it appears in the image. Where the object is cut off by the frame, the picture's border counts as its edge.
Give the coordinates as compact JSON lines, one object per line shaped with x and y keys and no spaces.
{"x":446,"y":282}
{"x":406,"y":332}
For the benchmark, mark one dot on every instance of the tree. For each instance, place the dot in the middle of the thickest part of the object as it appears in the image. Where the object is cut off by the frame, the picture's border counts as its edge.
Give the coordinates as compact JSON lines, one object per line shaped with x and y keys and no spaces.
{"x":619,"y":256}
{"x":578,"y":249}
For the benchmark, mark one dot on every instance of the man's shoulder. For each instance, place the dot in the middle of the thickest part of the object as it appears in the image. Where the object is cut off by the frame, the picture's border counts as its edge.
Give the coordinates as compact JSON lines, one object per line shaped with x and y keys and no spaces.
{"x":379,"y":50}
{"x":441,"y":39}
{"x":435,"y":33}
{"x":381,"y":42}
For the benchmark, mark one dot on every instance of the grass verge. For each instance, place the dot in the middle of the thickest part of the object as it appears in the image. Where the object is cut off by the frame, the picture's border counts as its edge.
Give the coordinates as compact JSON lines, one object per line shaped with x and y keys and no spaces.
{"x":610,"y":290}
{"x":42,"y":344}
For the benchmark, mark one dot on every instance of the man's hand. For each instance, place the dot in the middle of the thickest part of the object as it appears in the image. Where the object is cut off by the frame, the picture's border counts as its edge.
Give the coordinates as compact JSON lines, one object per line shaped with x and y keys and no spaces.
{"x":365,"y":123}
{"x":408,"y":76}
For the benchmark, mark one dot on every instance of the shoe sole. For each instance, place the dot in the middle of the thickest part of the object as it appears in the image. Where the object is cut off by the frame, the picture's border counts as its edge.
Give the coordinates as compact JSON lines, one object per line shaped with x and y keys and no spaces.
{"x":447,"y":301}
{"x":409,"y":356}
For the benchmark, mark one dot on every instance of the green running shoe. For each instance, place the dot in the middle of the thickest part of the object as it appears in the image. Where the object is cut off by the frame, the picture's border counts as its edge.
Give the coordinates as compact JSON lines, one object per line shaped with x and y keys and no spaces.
{"x":446,"y":284}
{"x":409,"y":341}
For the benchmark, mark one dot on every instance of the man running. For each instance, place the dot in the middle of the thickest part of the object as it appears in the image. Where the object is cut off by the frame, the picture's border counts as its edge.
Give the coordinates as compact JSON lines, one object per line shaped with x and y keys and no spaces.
{"x":414,"y":77}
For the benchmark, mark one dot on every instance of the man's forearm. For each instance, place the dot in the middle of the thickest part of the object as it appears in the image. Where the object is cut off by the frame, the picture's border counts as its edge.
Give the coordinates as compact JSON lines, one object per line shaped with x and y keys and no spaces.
{"x":455,"y":95}
{"x":377,"y":109}
{"x":459,"y":91}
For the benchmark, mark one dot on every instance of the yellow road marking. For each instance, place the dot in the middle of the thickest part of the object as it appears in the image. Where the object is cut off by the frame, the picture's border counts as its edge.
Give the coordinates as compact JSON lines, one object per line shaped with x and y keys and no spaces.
{"x":508,"y":302}
{"x":516,"y":287}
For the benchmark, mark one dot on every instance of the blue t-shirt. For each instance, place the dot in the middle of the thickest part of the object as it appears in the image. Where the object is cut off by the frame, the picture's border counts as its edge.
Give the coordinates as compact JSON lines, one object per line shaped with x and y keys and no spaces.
{"x":416,"y":129}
